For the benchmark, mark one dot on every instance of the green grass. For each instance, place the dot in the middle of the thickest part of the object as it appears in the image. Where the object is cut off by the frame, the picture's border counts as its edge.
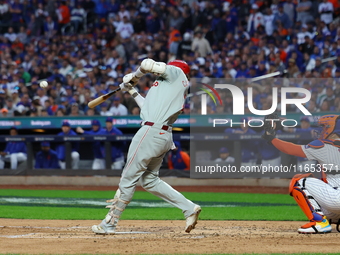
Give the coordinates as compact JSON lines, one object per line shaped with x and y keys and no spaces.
{"x":204,"y":196}
{"x":286,"y":213}
{"x":250,"y":212}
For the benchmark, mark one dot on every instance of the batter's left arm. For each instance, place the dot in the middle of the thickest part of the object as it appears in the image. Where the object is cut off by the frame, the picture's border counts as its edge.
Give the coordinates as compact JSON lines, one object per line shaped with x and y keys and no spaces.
{"x":147,"y":66}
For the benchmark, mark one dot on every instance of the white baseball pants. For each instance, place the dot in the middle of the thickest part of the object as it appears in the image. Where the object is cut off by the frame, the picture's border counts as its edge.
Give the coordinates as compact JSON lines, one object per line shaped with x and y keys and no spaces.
{"x":98,"y":164}
{"x":14,"y":158}
{"x":75,"y":161}
{"x":146,"y":152}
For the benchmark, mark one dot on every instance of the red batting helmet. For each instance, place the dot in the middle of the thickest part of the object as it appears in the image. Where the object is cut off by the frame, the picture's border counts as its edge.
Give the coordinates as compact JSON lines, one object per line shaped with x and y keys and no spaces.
{"x":181,"y":64}
{"x":330,"y":124}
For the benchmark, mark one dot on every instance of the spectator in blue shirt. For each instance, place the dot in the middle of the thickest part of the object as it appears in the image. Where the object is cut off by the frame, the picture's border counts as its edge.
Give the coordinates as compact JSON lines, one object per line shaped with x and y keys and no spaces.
{"x":16,"y":9}
{"x":243,"y":72}
{"x":14,"y":152}
{"x":46,"y":158}
{"x":60,"y":149}
{"x":153,"y":23}
{"x":281,"y":17}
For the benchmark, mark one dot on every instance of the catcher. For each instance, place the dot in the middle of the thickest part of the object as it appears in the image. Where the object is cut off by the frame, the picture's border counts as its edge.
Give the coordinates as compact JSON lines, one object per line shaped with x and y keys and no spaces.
{"x":319,"y":199}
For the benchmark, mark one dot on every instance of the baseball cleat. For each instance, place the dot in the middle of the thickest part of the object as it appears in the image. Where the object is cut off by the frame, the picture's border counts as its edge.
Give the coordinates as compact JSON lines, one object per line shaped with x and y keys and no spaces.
{"x":316,"y":227}
{"x":103,"y":228}
{"x":191,"y":221}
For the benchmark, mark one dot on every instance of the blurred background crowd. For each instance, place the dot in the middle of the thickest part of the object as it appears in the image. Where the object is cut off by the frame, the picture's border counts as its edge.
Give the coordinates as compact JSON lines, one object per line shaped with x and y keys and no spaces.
{"x":83,"y":48}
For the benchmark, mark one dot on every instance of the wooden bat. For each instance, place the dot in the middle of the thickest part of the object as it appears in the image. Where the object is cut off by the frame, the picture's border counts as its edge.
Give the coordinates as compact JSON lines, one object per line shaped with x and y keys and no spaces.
{"x":102,"y":98}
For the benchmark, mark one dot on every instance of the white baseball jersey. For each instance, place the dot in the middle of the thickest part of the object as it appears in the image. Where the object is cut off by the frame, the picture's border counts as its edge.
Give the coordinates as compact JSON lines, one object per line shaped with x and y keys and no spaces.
{"x":328,"y":158}
{"x":326,"y":17}
{"x":165,"y":98}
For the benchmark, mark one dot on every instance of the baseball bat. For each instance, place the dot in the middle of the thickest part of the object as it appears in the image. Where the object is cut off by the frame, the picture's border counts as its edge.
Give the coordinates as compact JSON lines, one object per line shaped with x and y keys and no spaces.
{"x":102,"y":98}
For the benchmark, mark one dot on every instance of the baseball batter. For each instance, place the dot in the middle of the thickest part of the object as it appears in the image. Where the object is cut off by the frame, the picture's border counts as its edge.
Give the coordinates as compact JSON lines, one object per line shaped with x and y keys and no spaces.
{"x":319,"y":199}
{"x":159,"y":110}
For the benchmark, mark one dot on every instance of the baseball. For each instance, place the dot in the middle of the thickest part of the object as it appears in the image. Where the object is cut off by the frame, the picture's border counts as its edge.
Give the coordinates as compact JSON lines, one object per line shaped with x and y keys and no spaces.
{"x":43,"y":84}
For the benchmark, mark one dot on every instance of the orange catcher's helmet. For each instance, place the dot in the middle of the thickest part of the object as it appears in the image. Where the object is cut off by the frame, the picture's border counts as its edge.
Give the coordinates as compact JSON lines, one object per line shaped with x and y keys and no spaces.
{"x":330,"y":124}
{"x":181,"y":64}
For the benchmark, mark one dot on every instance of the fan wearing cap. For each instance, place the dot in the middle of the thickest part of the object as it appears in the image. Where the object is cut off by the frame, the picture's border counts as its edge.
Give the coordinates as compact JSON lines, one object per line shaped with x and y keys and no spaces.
{"x":14,"y":152}
{"x":224,"y":156}
{"x":159,"y":110}
{"x":46,"y":158}
{"x":317,"y":197}
{"x":60,"y":149}
{"x":97,"y":147}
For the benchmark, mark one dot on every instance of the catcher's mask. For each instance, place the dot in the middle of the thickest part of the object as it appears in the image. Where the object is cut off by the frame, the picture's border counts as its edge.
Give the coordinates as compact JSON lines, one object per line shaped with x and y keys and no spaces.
{"x":329,"y":124}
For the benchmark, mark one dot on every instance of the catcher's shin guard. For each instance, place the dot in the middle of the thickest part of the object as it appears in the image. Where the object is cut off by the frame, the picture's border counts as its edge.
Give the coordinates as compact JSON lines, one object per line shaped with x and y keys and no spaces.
{"x":318,"y":222}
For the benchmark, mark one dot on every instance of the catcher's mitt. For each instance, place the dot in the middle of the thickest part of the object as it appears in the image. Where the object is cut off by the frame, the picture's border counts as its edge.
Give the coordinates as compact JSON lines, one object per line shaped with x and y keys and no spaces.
{"x":270,"y":126}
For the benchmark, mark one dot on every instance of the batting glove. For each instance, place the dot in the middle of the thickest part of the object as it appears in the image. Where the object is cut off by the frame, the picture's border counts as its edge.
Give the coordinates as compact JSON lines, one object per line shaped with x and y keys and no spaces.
{"x":131,"y":78}
{"x":126,"y":86}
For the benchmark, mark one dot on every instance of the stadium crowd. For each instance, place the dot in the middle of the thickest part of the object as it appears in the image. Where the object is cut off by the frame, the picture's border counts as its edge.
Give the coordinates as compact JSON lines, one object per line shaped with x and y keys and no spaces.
{"x":83,"y":48}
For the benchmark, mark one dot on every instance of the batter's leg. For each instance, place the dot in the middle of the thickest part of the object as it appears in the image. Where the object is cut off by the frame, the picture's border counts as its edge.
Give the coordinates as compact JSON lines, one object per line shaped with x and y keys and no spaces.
{"x":151,"y":182}
{"x":139,"y":155}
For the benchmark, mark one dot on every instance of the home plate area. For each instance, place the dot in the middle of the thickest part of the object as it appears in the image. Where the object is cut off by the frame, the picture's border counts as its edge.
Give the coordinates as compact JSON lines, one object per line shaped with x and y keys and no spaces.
{"x":161,"y":237}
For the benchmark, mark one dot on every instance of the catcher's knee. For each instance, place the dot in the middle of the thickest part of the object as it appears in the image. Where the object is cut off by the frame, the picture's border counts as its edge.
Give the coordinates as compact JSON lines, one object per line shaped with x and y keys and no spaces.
{"x":295,"y":180}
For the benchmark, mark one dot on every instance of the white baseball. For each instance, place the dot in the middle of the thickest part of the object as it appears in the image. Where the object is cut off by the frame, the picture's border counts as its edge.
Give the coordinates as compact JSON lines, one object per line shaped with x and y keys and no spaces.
{"x":43,"y":84}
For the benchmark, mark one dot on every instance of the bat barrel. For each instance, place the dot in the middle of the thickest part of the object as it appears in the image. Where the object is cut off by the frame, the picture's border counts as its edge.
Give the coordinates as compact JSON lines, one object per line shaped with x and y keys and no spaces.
{"x":101,"y":99}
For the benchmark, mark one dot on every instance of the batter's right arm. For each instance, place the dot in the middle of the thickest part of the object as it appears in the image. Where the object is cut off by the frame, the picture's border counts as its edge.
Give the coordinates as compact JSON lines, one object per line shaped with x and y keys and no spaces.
{"x":133,"y":92}
{"x":138,"y":98}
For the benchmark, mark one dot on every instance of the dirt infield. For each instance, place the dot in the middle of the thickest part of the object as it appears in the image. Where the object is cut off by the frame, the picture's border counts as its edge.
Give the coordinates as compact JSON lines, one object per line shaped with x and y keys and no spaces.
{"x":161,"y":237}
